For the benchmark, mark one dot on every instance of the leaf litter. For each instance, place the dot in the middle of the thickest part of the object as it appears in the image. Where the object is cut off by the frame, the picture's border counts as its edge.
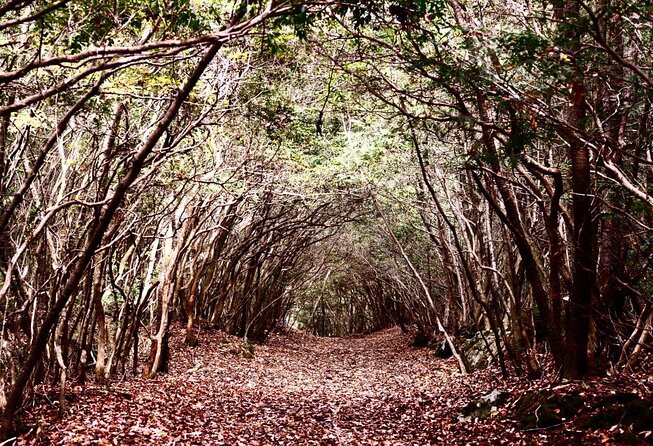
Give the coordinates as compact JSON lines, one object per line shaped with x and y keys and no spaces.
{"x":299,"y":389}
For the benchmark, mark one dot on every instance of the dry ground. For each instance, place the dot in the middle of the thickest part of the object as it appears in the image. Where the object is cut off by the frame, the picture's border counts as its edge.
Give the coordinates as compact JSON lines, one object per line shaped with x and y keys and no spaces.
{"x":295,"y":390}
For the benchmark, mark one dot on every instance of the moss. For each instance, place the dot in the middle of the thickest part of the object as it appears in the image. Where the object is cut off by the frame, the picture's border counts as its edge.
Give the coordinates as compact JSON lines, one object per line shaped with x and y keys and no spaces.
{"x":628,"y":438}
{"x":244,"y":349}
{"x":477,"y":409}
{"x":475,"y":349}
{"x":636,"y":413}
{"x":606,"y":418}
{"x":619,"y":398}
{"x":421,"y":340}
{"x":526,"y":407}
{"x":485,"y":406}
{"x":248,"y":347}
{"x":567,"y":405}
{"x":640,"y":415}
{"x":542,"y":409}
{"x":541,"y":416}
{"x":442,"y":350}
{"x":248,"y":352}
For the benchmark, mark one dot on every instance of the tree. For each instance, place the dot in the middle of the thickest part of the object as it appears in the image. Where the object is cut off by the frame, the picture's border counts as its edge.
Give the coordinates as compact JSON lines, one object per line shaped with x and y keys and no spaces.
{"x":499,"y":82}
{"x":79,"y":71}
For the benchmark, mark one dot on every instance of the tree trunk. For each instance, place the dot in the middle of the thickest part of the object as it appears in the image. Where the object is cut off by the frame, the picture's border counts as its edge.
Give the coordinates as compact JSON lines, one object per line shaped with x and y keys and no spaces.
{"x":583,"y":269}
{"x":96,"y":232}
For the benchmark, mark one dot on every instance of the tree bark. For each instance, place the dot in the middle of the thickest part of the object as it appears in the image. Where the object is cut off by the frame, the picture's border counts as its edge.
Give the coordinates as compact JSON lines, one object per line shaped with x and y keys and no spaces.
{"x":94,"y":240}
{"x":583,"y":269}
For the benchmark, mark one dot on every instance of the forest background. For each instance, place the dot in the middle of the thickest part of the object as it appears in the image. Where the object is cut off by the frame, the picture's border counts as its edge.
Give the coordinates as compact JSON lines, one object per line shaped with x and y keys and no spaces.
{"x":340,"y":167}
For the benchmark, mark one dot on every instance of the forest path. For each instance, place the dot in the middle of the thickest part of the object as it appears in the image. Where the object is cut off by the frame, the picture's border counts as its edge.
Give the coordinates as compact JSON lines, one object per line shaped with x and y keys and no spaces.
{"x":296,"y":390}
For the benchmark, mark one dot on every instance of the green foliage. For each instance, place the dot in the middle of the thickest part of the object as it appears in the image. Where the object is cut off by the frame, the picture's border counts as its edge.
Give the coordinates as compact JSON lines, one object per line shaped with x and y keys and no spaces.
{"x":361,"y":12}
{"x":523,"y":47}
{"x":300,"y":20}
{"x":97,"y":22}
{"x":640,"y":207}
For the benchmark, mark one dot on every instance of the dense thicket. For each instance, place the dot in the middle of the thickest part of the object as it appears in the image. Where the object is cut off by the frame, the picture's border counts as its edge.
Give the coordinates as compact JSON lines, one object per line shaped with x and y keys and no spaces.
{"x":340,"y":167}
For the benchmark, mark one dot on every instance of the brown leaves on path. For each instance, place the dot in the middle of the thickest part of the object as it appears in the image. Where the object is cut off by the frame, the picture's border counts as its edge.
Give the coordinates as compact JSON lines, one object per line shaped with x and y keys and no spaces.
{"x":295,"y":390}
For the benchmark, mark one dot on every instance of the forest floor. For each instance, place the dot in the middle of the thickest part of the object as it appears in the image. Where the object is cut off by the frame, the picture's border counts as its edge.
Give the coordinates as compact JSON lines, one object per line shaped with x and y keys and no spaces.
{"x":301,"y":390}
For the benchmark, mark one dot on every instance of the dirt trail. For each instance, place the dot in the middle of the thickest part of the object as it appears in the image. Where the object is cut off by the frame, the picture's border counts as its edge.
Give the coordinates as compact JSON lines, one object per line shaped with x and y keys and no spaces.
{"x":295,"y":390}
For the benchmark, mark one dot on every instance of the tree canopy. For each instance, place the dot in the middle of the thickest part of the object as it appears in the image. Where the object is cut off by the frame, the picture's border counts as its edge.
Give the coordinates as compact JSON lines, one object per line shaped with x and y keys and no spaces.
{"x":339,"y":167}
